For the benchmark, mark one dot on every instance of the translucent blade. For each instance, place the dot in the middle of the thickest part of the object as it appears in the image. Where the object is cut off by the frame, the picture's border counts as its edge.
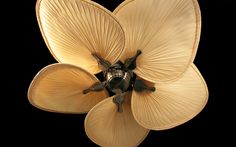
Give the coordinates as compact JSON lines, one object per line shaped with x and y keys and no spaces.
{"x":73,"y":29}
{"x":171,"y":104}
{"x":59,"y":88}
{"x":167,"y":32}
{"x":109,"y":128}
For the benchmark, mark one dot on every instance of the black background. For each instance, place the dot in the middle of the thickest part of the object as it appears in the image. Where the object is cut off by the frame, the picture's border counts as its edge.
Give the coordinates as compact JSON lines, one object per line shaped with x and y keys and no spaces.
{"x":25,"y":53}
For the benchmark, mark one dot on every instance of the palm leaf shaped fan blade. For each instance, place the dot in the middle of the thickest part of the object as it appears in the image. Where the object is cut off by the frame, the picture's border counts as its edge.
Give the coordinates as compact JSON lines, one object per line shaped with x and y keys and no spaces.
{"x":167,"y":33}
{"x":103,"y":121}
{"x":72,"y":32}
{"x":145,"y":52}
{"x":59,"y":88}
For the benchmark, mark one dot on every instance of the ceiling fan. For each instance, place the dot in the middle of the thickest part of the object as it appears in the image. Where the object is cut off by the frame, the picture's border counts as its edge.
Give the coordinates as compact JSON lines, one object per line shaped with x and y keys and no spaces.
{"x":145,"y":51}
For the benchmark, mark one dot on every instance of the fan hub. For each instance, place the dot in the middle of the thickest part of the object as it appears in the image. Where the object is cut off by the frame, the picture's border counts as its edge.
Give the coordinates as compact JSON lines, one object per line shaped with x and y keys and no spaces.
{"x":119,"y":78}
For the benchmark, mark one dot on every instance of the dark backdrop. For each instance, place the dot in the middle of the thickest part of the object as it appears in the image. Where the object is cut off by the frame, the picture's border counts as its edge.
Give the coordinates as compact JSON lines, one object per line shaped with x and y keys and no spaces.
{"x":26,"y":53}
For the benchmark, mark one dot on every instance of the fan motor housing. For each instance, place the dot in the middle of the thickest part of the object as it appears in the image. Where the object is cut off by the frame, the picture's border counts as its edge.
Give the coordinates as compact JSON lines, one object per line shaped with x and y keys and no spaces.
{"x":118,"y":80}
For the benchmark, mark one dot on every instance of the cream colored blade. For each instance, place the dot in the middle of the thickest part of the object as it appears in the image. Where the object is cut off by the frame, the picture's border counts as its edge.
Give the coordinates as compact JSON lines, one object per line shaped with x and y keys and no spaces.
{"x":171,"y":104}
{"x":59,"y":88}
{"x":73,"y":29}
{"x":167,"y":32}
{"x":109,"y":128}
